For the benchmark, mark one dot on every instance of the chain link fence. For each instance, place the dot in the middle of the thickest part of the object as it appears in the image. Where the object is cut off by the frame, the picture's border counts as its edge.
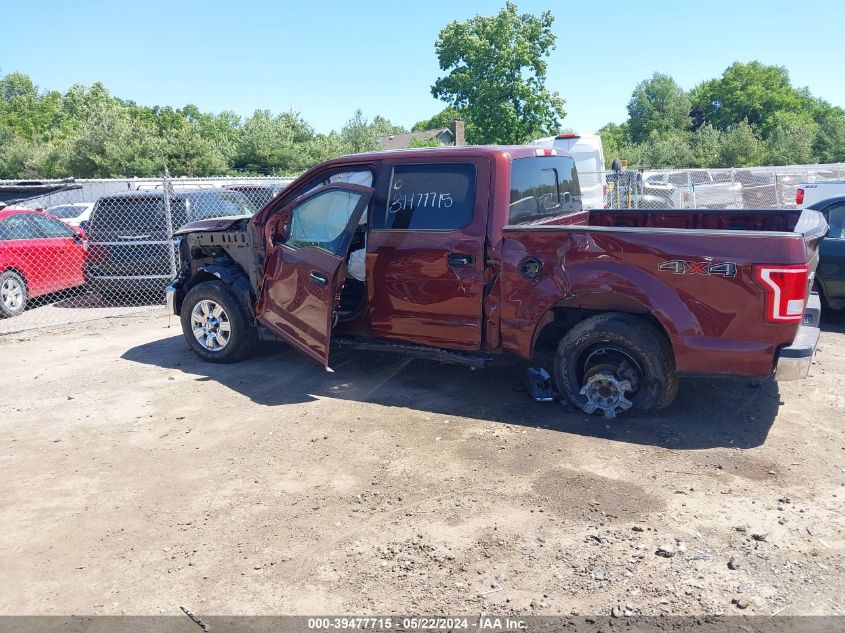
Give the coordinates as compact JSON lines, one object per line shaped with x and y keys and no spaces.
{"x":103,"y":248}
{"x":738,"y":188}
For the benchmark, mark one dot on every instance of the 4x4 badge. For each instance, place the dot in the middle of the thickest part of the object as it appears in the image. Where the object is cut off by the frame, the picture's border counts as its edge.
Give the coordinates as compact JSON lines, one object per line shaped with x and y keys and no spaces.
{"x":683,"y":267}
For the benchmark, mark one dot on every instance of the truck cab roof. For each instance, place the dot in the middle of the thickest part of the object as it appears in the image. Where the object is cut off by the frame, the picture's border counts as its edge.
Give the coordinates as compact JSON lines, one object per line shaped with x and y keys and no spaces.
{"x":461,"y":151}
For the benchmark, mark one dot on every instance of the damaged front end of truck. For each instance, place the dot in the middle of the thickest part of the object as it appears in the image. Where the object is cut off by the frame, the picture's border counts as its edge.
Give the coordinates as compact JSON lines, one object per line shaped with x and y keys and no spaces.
{"x":215,"y":249}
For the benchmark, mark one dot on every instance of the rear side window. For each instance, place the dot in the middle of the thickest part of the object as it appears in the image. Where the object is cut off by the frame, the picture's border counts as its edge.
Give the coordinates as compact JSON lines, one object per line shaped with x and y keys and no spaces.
{"x":18,"y":227}
{"x":541,"y":187}
{"x":48,"y":227}
{"x":136,"y":215}
{"x":258,"y":196}
{"x":434,"y":197}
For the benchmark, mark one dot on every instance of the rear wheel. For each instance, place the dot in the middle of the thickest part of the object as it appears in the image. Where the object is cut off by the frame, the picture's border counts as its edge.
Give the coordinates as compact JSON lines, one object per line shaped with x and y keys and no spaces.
{"x":614,"y":363}
{"x":13,"y":293}
{"x":215,"y":323}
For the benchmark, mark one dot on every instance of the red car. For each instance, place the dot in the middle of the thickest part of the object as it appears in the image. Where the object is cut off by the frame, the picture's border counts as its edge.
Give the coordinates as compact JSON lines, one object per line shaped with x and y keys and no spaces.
{"x":39,"y":254}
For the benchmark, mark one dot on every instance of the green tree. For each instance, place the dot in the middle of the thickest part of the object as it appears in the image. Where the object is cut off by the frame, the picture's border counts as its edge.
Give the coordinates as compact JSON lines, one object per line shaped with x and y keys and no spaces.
{"x":829,"y":146}
{"x":424,"y":142}
{"x":614,"y":137}
{"x":664,"y":151}
{"x":362,"y":135}
{"x":14,"y":155}
{"x":792,"y":139}
{"x":658,"y":104}
{"x":705,"y":144}
{"x":740,"y":147}
{"x":271,"y":145}
{"x":442,"y":119}
{"x":496,"y":74}
{"x":752,"y":92}
{"x":323,"y":147}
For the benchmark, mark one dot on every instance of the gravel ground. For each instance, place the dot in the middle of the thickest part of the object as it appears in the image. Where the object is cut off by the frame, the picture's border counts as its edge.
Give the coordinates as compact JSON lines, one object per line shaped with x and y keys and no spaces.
{"x":136,"y":479}
{"x":73,"y":307}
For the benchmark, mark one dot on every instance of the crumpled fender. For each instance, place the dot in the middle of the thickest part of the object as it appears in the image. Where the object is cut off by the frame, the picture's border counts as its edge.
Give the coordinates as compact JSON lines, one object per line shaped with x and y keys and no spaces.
{"x":235,"y":277}
{"x":610,"y":286}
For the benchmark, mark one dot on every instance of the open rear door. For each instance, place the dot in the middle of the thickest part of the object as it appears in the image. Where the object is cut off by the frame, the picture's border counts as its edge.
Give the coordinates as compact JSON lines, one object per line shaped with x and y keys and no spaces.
{"x":307,"y":266}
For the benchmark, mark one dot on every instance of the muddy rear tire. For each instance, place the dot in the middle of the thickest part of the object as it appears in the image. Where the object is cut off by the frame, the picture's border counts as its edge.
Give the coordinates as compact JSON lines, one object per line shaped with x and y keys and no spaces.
{"x":616,"y":363}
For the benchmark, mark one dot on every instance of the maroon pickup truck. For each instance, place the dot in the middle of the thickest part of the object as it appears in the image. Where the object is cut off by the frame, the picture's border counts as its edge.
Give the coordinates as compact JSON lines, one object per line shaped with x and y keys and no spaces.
{"x":471,"y":253}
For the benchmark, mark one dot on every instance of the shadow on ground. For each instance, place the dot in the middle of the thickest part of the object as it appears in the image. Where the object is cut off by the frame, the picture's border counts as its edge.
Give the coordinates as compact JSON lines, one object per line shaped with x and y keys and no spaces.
{"x":92,"y":299}
{"x":707,"y":413}
{"x":833,"y":320}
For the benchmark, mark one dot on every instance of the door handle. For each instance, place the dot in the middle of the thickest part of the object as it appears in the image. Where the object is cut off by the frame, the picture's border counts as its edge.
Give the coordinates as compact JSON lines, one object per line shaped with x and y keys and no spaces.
{"x":460,"y":260}
{"x":319,"y":279}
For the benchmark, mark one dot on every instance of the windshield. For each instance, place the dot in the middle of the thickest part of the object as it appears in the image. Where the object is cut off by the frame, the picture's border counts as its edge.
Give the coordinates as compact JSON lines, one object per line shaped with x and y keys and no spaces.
{"x":257,"y":195}
{"x":216,"y":204}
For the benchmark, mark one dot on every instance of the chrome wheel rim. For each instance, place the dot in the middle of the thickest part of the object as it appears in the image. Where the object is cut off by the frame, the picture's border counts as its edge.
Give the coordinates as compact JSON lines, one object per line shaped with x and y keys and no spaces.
{"x":11,"y":293}
{"x":210,"y":325}
{"x":610,"y":376}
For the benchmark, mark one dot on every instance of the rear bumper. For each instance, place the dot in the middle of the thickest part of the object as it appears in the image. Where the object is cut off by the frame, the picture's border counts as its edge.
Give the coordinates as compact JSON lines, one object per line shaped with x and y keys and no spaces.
{"x":794,"y":361}
{"x":813,"y":310}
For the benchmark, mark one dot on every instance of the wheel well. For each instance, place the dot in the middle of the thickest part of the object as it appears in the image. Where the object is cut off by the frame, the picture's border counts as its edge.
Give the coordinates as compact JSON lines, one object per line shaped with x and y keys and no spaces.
{"x":200,"y":277}
{"x":236,"y":281}
{"x":561,"y":320}
{"x":19,"y":272}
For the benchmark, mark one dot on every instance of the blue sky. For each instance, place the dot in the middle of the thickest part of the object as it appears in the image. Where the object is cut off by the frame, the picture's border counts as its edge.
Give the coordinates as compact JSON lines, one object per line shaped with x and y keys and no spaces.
{"x":325,"y":58}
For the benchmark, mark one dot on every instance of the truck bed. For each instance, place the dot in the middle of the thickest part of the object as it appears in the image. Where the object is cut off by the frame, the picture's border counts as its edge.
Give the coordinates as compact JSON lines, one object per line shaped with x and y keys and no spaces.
{"x":694,"y":219}
{"x":693,"y":271}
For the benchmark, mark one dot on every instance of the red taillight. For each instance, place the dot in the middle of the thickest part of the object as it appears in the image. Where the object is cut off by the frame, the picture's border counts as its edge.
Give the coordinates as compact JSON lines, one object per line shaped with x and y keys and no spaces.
{"x":786,"y":292}
{"x":568,"y":136}
{"x":799,"y":196}
{"x":547,"y":151}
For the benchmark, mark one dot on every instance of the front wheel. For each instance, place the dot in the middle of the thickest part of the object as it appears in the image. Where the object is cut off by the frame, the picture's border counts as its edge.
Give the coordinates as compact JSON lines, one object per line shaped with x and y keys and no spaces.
{"x":215,"y":323}
{"x":614,"y":363}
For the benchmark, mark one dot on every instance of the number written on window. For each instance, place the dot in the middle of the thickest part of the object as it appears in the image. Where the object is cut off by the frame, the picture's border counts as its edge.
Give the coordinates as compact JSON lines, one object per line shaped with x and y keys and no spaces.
{"x":430,"y":197}
{"x":410,"y":201}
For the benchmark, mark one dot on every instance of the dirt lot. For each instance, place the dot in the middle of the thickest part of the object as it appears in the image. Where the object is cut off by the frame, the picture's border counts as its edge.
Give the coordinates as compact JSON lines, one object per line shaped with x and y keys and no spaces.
{"x":136,"y":479}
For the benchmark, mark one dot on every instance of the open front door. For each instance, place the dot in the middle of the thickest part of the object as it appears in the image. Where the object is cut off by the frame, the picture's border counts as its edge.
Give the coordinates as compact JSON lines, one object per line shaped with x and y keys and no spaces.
{"x":307,"y":266}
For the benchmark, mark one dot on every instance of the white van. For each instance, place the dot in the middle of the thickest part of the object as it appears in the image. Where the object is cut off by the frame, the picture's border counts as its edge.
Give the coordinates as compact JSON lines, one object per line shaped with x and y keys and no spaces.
{"x":588,"y":153}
